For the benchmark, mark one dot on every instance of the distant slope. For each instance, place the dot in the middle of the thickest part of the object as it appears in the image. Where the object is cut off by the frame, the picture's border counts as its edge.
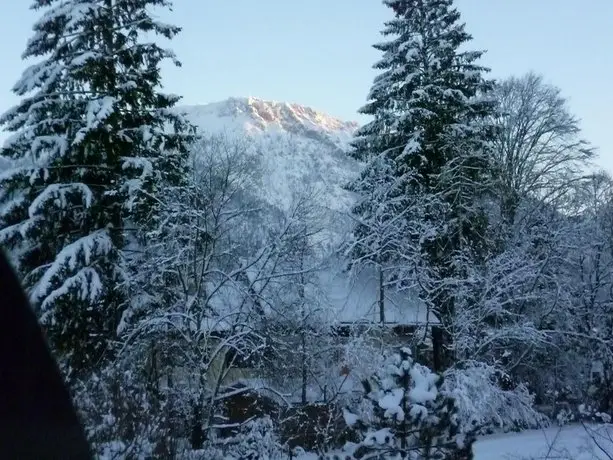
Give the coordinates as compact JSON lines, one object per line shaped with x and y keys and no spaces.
{"x":298,"y":149}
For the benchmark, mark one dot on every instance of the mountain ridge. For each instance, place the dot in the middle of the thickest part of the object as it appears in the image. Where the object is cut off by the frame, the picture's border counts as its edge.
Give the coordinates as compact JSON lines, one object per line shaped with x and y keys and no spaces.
{"x":295,"y":147}
{"x":259,"y":115}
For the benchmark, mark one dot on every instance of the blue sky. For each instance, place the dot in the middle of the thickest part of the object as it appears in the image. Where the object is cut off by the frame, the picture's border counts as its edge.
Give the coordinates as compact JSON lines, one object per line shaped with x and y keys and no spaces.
{"x":318,"y":52}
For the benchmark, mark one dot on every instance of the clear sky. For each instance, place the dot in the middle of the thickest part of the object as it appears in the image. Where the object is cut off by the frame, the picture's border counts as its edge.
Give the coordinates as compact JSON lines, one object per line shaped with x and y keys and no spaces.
{"x":318,"y":52}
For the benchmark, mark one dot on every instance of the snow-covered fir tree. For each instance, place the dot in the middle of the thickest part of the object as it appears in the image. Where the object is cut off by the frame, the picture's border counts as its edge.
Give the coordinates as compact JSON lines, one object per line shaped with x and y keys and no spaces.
{"x":93,"y":140}
{"x":426,"y":151}
{"x":256,"y":440}
{"x":406,"y":416}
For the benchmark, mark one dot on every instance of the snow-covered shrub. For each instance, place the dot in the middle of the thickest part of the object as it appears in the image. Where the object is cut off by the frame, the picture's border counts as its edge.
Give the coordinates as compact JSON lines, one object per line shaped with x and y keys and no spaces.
{"x":208,"y":453}
{"x":408,"y":416}
{"x":589,"y":413}
{"x":314,"y":427}
{"x":361,"y":355}
{"x":257,"y":440}
{"x":584,"y":413}
{"x":484,"y":405}
{"x":121,"y":417}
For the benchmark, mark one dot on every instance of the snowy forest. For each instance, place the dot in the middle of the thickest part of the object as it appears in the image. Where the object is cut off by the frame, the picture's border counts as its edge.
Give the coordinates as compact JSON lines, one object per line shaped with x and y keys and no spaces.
{"x":458,"y":283}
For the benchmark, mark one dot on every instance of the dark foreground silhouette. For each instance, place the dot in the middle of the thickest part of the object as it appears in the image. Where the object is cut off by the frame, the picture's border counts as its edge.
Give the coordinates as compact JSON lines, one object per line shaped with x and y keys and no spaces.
{"x":37,"y":417}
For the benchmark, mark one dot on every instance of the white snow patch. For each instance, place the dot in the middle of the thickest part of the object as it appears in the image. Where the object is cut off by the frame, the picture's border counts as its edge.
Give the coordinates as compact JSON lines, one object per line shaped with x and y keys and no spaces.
{"x":570,"y":443}
{"x":424,"y":385}
{"x":350,"y":419}
{"x":391,"y":404}
{"x":355,"y":297}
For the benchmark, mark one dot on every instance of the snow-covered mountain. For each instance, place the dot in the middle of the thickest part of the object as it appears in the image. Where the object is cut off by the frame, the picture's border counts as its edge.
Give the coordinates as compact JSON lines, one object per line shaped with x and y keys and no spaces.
{"x":296,"y":150}
{"x":253,"y":115}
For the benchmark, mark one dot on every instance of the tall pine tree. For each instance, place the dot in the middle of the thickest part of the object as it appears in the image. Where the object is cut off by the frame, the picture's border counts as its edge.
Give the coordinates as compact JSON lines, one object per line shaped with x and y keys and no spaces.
{"x":427,"y":152}
{"x":93,"y":140}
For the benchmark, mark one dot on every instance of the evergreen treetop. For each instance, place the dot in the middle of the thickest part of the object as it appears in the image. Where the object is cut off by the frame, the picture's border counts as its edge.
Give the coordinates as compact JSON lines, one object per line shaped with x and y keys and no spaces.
{"x":427,"y":90}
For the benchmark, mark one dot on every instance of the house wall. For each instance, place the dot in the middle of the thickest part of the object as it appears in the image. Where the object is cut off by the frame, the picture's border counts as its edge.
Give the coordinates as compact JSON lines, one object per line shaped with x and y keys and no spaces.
{"x":187,"y":377}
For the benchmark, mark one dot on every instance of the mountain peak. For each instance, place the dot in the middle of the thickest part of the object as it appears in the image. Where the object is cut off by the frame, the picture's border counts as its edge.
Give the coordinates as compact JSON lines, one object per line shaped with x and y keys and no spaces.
{"x":292,"y":147}
{"x":259,"y":115}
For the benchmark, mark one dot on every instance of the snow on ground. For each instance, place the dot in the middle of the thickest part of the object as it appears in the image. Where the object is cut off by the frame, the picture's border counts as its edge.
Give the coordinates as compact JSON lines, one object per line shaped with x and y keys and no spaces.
{"x":570,"y":443}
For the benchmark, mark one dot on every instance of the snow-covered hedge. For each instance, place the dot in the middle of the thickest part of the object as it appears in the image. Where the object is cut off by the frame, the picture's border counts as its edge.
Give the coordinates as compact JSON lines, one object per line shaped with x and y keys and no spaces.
{"x":483,"y":404}
{"x":120,"y":419}
{"x":257,"y":440}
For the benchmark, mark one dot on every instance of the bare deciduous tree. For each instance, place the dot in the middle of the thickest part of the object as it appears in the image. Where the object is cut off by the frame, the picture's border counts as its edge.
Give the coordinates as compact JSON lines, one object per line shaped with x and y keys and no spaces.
{"x":208,"y":277}
{"x":537,"y":147}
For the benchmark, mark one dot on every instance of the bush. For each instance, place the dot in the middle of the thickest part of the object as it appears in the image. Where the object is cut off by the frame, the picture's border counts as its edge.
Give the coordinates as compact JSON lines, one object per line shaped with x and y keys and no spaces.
{"x":257,"y":440}
{"x":407,"y":416}
{"x":483,"y":403}
{"x":314,"y":427}
{"x":121,"y":418}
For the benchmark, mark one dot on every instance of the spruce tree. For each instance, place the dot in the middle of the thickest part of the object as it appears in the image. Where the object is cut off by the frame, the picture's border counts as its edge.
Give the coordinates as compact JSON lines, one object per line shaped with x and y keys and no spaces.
{"x":408,"y":416}
{"x":93,"y":140}
{"x":426,"y":151}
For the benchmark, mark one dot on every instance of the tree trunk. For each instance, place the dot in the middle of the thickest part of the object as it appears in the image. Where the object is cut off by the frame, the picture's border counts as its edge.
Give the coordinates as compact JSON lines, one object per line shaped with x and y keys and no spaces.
{"x":437,"y":348}
{"x":381,"y":296}
{"x":304,"y":369}
{"x":197,"y":435}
